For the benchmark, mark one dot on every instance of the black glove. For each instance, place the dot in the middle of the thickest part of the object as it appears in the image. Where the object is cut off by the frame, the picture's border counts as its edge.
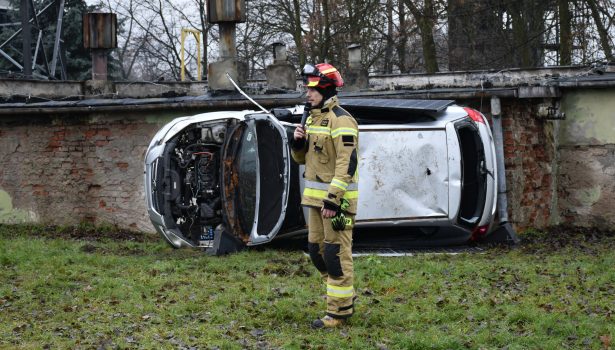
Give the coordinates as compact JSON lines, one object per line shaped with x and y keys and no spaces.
{"x":339,"y":221}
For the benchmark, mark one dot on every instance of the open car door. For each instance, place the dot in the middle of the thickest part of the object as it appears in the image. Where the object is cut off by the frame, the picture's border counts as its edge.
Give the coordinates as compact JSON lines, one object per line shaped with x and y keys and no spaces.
{"x":255,"y":177}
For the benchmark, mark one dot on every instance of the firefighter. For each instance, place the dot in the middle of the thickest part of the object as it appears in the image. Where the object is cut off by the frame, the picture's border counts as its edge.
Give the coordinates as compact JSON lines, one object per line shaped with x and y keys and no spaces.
{"x":328,"y":145}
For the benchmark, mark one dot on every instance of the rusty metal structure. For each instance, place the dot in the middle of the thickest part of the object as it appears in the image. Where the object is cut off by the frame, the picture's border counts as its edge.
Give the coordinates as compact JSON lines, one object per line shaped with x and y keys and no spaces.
{"x":225,"y":13}
{"x":221,"y":11}
{"x":99,"y":35}
{"x":29,"y":27}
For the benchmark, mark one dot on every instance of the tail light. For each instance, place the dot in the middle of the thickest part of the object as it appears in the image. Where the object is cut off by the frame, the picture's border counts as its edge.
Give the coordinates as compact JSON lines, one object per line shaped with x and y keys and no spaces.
{"x":474,"y":115}
{"x":479,"y":232}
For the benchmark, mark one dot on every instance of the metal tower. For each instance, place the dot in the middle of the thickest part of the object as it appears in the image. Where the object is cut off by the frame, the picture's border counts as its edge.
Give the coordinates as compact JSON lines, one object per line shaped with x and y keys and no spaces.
{"x":30,"y":27}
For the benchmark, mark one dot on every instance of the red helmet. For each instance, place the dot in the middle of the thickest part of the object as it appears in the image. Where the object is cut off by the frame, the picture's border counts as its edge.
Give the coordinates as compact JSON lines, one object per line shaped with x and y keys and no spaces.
{"x":322,"y":75}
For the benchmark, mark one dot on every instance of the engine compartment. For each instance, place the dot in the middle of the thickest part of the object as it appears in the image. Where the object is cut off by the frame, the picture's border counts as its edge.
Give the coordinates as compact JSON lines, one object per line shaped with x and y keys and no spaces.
{"x":190,"y":197}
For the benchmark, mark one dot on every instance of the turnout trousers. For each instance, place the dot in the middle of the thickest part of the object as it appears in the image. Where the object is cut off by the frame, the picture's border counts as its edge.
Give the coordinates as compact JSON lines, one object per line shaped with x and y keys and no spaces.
{"x":331,"y":253}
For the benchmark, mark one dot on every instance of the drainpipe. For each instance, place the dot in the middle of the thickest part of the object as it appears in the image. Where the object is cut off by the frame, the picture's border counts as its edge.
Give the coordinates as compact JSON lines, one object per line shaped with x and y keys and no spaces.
{"x":505,"y":232}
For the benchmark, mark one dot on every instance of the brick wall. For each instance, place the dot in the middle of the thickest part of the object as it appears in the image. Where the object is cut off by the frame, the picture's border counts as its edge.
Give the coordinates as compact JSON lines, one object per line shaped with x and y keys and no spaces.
{"x":65,"y":169}
{"x":530,"y":156}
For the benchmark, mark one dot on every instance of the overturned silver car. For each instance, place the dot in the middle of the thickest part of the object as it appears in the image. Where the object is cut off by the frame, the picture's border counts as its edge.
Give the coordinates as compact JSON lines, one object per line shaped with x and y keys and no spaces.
{"x":224,"y":180}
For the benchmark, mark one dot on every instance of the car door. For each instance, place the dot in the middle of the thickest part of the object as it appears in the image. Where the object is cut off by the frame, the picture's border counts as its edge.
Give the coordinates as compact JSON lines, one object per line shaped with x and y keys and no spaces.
{"x":255,"y":177}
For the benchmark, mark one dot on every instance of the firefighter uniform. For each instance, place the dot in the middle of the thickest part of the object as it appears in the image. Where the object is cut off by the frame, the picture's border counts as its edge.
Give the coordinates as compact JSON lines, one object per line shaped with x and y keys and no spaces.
{"x":331,"y":162}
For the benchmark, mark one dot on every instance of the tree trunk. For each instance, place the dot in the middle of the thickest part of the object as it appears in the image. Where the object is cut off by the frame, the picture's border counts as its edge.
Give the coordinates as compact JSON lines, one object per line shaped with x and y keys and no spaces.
{"x":324,"y":53}
{"x":602,"y":31}
{"x":297,"y":33}
{"x":429,"y":45}
{"x":425,"y":22}
{"x":205,"y":31}
{"x":565,"y":33}
{"x":403,"y":38}
{"x":527,"y":32}
{"x":388,"y":52}
{"x":520,"y":34}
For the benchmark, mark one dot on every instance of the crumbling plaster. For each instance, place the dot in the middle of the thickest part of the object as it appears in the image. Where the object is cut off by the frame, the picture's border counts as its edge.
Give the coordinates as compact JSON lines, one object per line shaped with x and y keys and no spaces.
{"x":586,"y":181}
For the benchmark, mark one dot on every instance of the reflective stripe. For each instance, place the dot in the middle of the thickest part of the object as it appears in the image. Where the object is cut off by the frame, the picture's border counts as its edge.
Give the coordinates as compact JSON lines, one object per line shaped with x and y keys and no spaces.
{"x":318,"y":130}
{"x":329,"y":70}
{"x":340,"y":292}
{"x":339,"y":184}
{"x":344,"y":131}
{"x":325,"y":186}
{"x":322,"y":194}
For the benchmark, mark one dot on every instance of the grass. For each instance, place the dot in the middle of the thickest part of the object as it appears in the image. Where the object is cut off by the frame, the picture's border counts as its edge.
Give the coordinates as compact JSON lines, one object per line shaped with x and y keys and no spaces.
{"x":59,"y":290}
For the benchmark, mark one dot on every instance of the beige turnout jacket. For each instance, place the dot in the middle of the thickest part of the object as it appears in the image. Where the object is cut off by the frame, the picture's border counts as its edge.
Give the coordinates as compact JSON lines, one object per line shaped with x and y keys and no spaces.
{"x":330,"y":157}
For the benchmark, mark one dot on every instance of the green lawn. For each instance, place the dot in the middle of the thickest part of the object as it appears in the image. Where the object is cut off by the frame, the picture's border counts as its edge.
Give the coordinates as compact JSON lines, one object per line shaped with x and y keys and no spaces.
{"x":74,"y":293}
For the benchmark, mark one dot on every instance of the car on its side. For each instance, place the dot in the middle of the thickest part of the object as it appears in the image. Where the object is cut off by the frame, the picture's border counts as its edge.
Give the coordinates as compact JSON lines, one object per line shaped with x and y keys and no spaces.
{"x":224,"y":180}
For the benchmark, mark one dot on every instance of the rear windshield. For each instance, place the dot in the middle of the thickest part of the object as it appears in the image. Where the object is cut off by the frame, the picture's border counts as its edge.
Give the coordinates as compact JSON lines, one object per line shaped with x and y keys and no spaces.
{"x":473,"y":186}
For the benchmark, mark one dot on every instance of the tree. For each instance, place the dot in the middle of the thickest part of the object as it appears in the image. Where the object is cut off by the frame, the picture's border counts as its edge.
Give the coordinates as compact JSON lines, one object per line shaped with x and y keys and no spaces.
{"x":395,"y":35}
{"x":79,"y":60}
{"x":76,"y":58}
{"x":528,"y":30}
{"x":426,"y":20}
{"x":597,"y":13}
{"x":286,"y":18}
{"x":565,"y":29}
{"x":403,"y":37}
{"x":472,"y":39}
{"x":149,"y":36}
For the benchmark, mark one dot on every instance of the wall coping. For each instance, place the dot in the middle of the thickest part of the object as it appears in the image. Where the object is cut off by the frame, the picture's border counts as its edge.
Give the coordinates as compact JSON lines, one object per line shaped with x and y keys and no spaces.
{"x":43,"y":97}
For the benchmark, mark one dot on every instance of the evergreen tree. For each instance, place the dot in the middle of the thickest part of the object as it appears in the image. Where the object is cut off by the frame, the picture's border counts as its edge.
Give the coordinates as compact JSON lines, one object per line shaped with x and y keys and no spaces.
{"x":77,"y":59}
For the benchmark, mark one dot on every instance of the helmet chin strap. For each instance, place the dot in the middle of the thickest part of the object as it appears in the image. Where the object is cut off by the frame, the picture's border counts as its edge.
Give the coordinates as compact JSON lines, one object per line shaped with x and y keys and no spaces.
{"x":327,"y":92}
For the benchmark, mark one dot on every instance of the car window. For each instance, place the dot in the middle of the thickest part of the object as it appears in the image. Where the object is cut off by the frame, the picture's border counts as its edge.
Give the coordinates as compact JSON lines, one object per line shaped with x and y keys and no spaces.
{"x":246,"y":167}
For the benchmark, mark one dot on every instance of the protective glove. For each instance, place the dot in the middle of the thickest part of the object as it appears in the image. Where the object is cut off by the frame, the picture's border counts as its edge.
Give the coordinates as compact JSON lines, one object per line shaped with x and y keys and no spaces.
{"x":339,"y":221}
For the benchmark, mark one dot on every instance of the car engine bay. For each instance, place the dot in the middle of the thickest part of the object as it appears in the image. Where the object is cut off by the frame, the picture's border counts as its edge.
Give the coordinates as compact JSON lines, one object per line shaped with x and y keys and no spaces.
{"x":191,"y":181}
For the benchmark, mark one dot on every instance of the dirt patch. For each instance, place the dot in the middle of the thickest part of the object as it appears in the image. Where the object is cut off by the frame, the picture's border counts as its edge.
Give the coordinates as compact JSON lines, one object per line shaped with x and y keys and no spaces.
{"x":565,"y":236}
{"x":288,"y":267}
{"x":88,"y":248}
{"x":78,"y":232}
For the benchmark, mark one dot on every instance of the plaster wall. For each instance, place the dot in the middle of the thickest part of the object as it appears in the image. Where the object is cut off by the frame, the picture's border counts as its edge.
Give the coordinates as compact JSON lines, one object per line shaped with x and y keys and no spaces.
{"x":586,"y":180}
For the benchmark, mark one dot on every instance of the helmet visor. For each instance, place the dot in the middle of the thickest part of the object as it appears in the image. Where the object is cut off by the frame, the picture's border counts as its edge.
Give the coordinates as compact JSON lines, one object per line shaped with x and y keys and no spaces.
{"x":309,"y":69}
